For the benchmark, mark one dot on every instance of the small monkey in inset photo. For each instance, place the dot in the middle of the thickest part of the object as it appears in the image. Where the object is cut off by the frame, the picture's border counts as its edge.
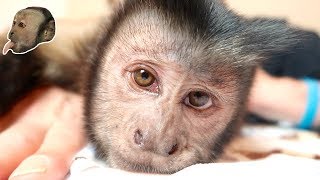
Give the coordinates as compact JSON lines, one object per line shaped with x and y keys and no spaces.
{"x":30,"y":27}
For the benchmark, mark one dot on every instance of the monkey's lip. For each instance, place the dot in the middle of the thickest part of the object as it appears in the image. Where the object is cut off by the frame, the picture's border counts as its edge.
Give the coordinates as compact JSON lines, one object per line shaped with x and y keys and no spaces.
{"x":129,"y":165}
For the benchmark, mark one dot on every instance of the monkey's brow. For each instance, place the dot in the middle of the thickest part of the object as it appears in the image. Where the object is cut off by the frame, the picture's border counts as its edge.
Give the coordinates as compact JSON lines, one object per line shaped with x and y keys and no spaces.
{"x":155,"y":52}
{"x":210,"y":79}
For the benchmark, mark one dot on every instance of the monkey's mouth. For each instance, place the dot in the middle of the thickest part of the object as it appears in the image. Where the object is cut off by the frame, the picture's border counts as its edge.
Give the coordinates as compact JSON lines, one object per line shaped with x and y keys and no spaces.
{"x":130,"y":165}
{"x":148,"y":163}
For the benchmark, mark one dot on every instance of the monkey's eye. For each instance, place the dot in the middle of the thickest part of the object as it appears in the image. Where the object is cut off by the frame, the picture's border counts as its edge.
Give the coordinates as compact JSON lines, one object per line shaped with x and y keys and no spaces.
{"x":22,"y":25}
{"x":14,"y":23}
{"x":144,"y":78}
{"x":198,"y":100}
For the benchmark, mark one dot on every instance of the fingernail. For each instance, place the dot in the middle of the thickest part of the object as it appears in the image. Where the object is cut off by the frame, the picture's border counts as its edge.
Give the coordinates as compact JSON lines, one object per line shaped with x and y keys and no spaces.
{"x":33,"y":165}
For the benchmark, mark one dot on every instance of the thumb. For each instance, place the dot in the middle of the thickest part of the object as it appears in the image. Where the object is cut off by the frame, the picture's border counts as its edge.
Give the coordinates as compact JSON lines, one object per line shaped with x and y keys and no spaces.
{"x":63,"y":140}
{"x":41,"y":167}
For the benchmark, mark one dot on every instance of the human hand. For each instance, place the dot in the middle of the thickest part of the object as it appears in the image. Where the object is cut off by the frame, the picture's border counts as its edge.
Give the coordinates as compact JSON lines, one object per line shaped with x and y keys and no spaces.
{"x":277,"y":98}
{"x":41,"y":135}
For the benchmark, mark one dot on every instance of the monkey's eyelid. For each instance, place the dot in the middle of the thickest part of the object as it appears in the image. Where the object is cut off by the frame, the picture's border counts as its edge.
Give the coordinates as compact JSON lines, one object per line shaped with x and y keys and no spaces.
{"x":206,"y":106}
{"x":138,"y":66}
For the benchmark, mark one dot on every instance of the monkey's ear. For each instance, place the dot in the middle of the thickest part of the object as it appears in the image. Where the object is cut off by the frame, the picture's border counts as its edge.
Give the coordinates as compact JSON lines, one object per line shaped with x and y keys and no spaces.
{"x":269,"y":37}
{"x":49,"y":31}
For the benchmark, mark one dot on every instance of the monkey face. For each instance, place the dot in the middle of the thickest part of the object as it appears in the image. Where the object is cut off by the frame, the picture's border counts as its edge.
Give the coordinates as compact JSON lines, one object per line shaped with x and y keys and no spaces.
{"x":156,"y":107}
{"x":24,"y":30}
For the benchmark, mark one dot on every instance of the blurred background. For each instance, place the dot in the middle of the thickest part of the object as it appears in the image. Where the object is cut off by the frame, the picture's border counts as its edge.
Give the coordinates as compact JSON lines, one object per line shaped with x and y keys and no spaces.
{"x":305,"y":13}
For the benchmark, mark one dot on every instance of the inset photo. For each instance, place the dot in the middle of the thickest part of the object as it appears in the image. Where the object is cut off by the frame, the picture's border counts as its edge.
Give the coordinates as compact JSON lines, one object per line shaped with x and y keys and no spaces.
{"x":30,"y":27}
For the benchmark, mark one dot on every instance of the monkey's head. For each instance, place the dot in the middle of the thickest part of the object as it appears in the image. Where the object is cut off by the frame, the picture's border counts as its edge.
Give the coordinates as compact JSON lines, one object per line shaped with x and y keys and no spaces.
{"x":30,"y":27}
{"x":170,"y":80}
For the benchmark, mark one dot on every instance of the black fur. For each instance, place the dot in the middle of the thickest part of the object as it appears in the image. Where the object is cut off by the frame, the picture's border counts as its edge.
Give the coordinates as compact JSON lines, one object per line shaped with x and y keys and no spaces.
{"x":43,"y":26}
{"x":47,"y":15}
{"x":18,"y":75}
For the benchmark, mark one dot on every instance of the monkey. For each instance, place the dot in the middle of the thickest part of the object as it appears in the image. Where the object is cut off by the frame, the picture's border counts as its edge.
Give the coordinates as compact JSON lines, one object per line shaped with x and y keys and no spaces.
{"x":166,"y":81}
{"x":169,"y":81}
{"x":31,"y":26}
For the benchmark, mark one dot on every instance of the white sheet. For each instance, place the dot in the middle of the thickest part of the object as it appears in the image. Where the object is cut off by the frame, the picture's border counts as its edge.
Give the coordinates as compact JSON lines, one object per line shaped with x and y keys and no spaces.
{"x":276,"y":167}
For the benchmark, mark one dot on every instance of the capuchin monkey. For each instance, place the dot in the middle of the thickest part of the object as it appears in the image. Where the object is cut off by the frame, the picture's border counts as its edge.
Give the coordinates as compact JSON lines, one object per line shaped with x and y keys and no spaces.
{"x":167,"y":80}
{"x":30,"y":27}
{"x":170,"y":80}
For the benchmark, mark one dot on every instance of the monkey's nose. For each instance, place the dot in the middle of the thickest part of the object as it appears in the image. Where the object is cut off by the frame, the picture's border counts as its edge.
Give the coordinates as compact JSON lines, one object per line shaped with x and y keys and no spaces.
{"x":173,"y":149}
{"x":145,"y":143}
{"x":11,"y":34}
{"x":138,"y":138}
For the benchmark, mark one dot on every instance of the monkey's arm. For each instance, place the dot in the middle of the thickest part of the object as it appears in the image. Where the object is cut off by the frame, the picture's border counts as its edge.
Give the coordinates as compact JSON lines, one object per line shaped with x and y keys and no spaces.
{"x":62,"y":62}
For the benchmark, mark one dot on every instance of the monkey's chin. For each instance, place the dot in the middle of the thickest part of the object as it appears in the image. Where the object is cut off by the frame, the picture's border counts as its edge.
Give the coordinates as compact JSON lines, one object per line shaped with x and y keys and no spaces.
{"x":20,"y":49}
{"x":144,"y":164}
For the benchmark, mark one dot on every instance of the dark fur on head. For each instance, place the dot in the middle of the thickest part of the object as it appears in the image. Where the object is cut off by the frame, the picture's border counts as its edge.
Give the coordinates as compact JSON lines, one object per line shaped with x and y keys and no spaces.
{"x":17,"y":76}
{"x":44,"y":25}
{"x":47,"y":14}
{"x":209,"y":41}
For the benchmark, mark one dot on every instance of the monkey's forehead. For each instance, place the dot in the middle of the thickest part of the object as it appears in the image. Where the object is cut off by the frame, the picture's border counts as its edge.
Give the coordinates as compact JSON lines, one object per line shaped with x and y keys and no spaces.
{"x":201,"y":29}
{"x":148,"y":32}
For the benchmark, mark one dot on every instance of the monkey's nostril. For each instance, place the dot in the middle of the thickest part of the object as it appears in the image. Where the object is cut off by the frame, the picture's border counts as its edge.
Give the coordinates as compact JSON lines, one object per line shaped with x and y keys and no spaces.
{"x":138,"y":137}
{"x":174,"y":148}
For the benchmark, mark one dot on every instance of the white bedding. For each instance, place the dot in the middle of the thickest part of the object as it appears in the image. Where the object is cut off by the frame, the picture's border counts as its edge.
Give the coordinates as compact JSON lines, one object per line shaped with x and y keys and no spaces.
{"x":274,"y":167}
{"x":283,"y":153}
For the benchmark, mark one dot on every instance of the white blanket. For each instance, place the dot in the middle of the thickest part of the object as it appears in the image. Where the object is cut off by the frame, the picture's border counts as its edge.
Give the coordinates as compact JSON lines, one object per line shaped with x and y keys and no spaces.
{"x":264,"y":152}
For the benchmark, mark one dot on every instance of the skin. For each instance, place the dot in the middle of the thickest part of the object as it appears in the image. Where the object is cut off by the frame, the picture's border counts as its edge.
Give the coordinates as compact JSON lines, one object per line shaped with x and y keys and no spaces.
{"x":283,"y":105}
{"x":41,"y":154}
